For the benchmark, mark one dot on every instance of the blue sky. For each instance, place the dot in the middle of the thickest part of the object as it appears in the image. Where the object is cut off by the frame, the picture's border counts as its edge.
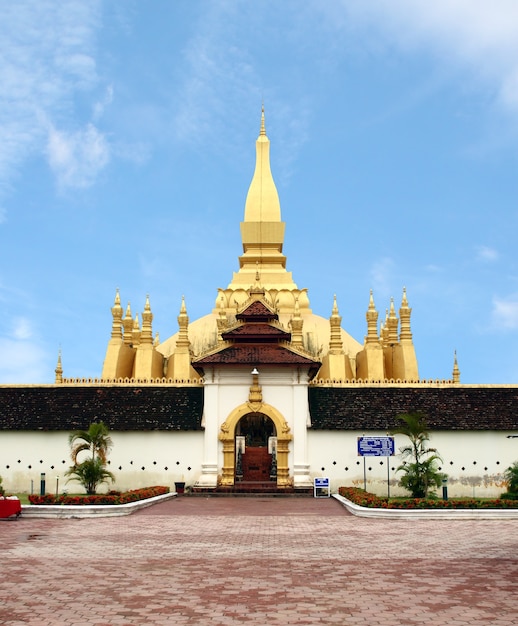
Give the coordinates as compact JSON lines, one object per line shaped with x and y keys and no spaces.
{"x":127,"y":144}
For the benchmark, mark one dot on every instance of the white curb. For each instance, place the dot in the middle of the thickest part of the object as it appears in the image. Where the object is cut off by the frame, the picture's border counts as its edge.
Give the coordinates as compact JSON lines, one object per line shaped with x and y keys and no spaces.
{"x":459,"y":514}
{"x":80,"y":511}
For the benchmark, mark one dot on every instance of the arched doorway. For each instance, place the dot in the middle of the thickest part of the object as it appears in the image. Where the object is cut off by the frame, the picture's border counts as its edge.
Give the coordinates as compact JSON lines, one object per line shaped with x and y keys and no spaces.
{"x":256,"y":449}
{"x":227,"y":436}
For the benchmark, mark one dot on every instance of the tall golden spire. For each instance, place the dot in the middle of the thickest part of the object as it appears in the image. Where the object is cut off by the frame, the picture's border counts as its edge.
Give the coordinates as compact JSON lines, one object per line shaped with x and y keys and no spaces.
{"x":262,"y":201}
{"x":262,"y":231}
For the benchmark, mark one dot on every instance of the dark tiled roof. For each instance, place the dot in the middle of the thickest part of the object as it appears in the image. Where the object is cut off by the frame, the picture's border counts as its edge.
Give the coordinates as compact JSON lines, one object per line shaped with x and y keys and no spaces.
{"x":257,"y":311}
{"x":449,"y":408}
{"x":121,"y":408}
{"x":266,"y":354}
{"x":259,"y":331}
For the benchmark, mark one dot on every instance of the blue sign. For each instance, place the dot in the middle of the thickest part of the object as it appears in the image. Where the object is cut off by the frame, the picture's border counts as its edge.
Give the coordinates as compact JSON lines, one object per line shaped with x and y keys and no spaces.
{"x":376,"y":446}
{"x":321,"y":482}
{"x":321,"y":488}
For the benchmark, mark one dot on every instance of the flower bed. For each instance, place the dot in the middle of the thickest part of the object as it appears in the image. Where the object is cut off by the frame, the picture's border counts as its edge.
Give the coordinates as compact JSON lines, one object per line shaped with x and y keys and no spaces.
{"x":112,"y":497}
{"x":363,"y":498}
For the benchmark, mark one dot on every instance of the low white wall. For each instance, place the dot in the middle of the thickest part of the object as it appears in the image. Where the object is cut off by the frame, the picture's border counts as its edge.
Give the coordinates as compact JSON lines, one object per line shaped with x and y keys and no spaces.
{"x":137,"y":459}
{"x":474,"y":461}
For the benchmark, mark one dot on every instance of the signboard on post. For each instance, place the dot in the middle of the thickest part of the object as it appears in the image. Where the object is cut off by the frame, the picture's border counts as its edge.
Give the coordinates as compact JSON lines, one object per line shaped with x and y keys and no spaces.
{"x":321,"y":488}
{"x":376,"y":446}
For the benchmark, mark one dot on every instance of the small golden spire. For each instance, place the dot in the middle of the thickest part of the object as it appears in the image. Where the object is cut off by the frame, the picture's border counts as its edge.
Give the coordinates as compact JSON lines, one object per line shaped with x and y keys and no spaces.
{"x":183,"y":327}
{"x":127,"y":323}
{"x":335,"y":333}
{"x":405,"y":333}
{"x":296,"y":324}
{"x":59,"y":370}
{"x":147,"y":321}
{"x":372,"y":321}
{"x":117,"y":317}
{"x":456,"y":370}
{"x":392,"y":324}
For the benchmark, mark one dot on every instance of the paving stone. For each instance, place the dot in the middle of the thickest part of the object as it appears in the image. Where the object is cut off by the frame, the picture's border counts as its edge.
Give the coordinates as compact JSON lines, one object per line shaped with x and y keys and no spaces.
{"x":277,"y":561}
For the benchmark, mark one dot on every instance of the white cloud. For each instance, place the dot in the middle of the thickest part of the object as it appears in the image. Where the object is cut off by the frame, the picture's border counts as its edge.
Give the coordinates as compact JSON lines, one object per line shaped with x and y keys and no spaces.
{"x":100,"y":106}
{"x":485,"y":253}
{"x":222,"y":79}
{"x":22,"y":329}
{"x":77,"y":158}
{"x":505,"y":312}
{"x":476,"y":36}
{"x":23,"y":358}
{"x":381,"y":276}
{"x":22,"y":362}
{"x":47,"y":58}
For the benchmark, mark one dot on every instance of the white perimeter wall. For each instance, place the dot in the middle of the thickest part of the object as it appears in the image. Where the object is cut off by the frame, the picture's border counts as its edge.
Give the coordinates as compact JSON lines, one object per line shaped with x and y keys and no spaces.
{"x":141,"y":456}
{"x":474,"y":461}
{"x":483,"y":455}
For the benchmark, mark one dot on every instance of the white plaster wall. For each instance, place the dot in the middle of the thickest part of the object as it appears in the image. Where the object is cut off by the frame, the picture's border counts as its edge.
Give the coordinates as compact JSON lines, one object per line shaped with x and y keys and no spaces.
{"x":138,"y":459}
{"x":474,"y":461}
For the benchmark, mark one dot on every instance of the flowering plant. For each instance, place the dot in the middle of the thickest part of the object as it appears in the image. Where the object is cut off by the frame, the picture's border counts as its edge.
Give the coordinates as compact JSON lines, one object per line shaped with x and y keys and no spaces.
{"x":113,"y":497}
{"x":363,"y":498}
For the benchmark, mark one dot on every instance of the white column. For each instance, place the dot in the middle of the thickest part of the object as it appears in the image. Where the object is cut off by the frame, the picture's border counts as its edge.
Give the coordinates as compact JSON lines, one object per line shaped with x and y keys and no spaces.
{"x":301,"y":476}
{"x":209,"y":467}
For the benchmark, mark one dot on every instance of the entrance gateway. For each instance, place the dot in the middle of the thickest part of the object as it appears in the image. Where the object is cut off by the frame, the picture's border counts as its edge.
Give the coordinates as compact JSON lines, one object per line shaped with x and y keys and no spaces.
{"x":255,"y":447}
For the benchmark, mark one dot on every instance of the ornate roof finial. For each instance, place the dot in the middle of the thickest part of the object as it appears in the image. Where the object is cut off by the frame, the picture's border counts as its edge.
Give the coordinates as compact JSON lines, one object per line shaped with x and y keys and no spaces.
{"x":263,"y":128}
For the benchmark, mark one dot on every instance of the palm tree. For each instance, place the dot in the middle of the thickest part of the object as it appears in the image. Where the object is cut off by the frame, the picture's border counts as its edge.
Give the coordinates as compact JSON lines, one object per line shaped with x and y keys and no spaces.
{"x":95,"y":440}
{"x":422,"y":473}
{"x":92,"y":471}
{"x":511,"y":476}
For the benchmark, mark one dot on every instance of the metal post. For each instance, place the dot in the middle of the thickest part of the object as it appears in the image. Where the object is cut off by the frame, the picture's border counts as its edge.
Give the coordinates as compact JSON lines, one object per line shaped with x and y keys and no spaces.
{"x":444,"y":489}
{"x":388,"y":476}
{"x":57,"y":486}
{"x":364,"y":476}
{"x":42,"y":484}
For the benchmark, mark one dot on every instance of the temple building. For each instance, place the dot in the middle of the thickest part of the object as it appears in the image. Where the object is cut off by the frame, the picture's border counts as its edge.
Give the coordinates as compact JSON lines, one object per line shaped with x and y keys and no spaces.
{"x":260,"y":391}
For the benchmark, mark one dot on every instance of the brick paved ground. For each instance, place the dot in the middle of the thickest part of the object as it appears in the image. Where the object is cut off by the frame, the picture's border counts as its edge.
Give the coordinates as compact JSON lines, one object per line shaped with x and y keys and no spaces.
{"x":262,"y":561}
